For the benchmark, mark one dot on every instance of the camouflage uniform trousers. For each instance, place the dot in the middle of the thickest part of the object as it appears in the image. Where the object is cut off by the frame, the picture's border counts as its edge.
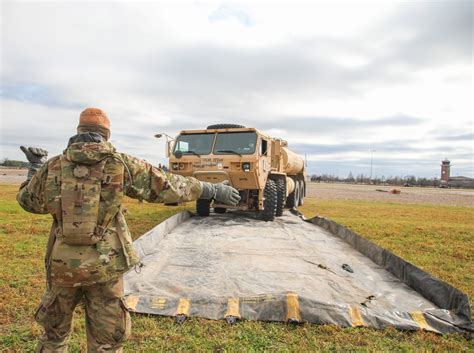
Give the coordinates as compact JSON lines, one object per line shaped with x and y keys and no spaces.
{"x":108,"y":321}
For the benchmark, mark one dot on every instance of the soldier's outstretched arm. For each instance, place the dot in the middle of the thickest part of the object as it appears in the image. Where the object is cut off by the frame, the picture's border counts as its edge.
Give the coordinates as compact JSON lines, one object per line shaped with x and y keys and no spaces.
{"x":31,"y":196}
{"x":146,"y":182}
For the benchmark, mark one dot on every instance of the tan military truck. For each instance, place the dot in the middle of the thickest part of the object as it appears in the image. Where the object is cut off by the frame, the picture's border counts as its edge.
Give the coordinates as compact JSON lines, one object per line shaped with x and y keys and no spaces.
{"x":267,"y":174}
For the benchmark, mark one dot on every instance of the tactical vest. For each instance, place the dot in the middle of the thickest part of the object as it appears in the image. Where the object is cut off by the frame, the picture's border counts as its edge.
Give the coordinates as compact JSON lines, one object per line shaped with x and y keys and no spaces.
{"x":84,"y":198}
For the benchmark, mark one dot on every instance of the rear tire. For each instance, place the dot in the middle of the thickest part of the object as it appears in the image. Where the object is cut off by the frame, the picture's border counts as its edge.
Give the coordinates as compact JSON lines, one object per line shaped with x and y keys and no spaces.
{"x":203,"y":207}
{"x":220,"y":210}
{"x":297,"y":196}
{"x":270,"y":202}
{"x":301,"y":200}
{"x":281,"y":196}
{"x":293,"y":199}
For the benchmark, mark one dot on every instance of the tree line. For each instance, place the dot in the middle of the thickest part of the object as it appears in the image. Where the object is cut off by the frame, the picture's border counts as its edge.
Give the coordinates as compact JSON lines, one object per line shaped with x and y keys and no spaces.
{"x":13,"y":164}
{"x":408,"y":180}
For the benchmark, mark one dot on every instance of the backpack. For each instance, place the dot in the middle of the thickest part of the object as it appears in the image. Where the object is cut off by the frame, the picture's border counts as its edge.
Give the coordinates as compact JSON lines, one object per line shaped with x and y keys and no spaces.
{"x":84,"y":197}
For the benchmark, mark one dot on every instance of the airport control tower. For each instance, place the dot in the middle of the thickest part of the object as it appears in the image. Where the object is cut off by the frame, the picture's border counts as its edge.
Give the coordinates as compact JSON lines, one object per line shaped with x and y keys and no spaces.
{"x":445,"y":166}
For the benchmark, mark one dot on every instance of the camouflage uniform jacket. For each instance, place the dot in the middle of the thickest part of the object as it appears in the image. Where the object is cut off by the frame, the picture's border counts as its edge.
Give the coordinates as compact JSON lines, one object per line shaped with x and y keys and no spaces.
{"x":73,"y":265}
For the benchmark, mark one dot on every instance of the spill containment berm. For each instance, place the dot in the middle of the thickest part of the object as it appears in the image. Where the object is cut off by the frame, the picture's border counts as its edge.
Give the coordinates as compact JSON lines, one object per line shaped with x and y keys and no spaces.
{"x":234,"y":266}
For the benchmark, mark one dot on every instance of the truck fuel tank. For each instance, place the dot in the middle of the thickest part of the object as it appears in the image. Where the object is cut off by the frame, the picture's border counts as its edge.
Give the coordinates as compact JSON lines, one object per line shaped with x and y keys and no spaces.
{"x":292,"y":163}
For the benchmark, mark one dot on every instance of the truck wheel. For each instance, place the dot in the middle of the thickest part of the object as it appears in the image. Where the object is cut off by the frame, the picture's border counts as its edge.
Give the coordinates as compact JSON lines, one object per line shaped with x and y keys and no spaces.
{"x":301,"y":186}
{"x":293,"y":199}
{"x":220,"y":209}
{"x":270,"y":202}
{"x":203,"y":207}
{"x":225,"y":126}
{"x":281,"y":195}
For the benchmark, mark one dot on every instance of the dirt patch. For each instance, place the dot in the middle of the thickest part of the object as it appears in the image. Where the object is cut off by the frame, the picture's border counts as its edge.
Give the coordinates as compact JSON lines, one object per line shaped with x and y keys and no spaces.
{"x":416,"y":195}
{"x":12,"y":176}
{"x":328,"y":191}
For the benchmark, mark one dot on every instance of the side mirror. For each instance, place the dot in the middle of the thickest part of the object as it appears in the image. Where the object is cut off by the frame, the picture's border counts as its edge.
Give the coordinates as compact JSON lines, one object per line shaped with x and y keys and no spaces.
{"x":178,"y":154}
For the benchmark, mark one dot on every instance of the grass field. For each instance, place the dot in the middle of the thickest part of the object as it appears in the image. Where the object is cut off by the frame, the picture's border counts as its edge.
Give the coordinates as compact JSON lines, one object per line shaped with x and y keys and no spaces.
{"x":439,"y":239}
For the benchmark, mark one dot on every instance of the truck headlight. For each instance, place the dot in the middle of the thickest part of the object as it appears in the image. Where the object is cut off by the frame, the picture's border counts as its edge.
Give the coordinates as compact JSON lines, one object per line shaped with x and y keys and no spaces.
{"x":246,"y":166}
{"x":175,"y":166}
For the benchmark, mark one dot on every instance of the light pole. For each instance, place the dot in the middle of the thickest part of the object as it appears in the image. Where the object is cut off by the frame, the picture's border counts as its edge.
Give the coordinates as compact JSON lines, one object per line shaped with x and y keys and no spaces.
{"x":371,"y":163}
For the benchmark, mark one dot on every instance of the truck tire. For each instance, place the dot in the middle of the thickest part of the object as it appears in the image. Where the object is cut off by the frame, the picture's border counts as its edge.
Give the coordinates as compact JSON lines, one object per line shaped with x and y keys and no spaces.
{"x":270,"y":202}
{"x":225,"y":126}
{"x":301,"y":199}
{"x":281,"y":196}
{"x":203,"y":207}
{"x":293,"y":199}
{"x":220,"y":209}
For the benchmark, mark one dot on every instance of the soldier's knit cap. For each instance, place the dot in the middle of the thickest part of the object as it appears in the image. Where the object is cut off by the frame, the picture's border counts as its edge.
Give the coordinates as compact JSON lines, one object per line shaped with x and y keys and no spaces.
{"x":94,"y":117}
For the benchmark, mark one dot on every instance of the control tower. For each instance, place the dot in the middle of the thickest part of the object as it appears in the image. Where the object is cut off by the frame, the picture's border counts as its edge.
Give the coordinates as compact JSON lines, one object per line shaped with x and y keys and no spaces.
{"x":445,"y":167}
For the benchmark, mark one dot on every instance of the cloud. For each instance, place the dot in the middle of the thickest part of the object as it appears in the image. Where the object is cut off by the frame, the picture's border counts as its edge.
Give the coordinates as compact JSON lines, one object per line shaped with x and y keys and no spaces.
{"x":462,"y":137}
{"x":397,"y":78}
{"x":34,"y":93}
{"x":231,"y":12}
{"x":321,"y":125}
{"x":389,"y":147}
{"x":436,"y":32}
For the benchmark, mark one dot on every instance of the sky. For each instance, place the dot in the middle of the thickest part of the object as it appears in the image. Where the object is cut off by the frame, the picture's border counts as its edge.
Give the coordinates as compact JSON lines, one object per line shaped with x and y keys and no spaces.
{"x":342,"y":82}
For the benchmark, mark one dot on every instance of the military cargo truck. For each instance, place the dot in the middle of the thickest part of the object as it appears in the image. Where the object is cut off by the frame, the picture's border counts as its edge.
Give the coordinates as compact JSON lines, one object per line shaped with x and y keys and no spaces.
{"x":267,"y":174}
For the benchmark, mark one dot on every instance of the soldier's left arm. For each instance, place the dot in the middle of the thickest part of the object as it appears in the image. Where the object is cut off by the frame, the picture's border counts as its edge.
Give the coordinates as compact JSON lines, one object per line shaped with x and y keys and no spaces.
{"x":146,"y":182}
{"x":31,"y":196}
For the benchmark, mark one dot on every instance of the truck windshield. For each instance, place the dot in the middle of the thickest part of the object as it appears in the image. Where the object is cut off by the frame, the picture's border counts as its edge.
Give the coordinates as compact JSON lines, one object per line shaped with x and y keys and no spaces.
{"x":194,"y":143}
{"x":235,"y":143}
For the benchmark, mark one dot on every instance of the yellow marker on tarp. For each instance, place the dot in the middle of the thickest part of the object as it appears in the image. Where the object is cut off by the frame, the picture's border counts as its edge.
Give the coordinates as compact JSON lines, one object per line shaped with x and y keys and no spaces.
{"x":131,"y":302}
{"x":183,"y":307}
{"x":233,"y":308}
{"x":293,"y":308}
{"x":420,"y":320}
{"x":356,"y":317}
{"x":158,"y":303}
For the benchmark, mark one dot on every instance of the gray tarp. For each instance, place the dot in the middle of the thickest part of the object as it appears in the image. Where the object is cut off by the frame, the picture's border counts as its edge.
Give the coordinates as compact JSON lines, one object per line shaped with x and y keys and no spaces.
{"x":287,"y":270}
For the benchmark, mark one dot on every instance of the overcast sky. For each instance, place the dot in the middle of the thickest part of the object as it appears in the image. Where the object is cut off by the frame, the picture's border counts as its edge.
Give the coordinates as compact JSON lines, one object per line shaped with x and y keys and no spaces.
{"x":334,"y":79}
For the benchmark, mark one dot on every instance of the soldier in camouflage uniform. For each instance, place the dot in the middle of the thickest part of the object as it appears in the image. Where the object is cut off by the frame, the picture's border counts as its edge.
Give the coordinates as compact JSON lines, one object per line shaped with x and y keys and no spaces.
{"x":90,"y":246}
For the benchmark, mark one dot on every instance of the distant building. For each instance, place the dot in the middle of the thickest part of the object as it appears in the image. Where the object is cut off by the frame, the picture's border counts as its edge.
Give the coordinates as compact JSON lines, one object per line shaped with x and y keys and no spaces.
{"x":445,"y":170}
{"x":455,"y":182}
{"x":461,"y":182}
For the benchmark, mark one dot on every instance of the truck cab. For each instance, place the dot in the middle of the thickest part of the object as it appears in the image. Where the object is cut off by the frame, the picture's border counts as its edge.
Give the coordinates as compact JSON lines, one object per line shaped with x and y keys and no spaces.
{"x":249,"y":160}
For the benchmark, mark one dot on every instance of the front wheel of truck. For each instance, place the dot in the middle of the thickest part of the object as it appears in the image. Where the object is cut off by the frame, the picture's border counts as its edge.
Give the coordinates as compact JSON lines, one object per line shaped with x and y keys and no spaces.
{"x":281,"y":196}
{"x":220,"y":209}
{"x":203,"y":207}
{"x":270,"y":202}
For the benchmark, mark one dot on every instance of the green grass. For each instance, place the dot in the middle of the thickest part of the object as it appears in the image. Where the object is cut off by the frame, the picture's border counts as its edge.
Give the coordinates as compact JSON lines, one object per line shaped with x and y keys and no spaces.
{"x":435,"y":238}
